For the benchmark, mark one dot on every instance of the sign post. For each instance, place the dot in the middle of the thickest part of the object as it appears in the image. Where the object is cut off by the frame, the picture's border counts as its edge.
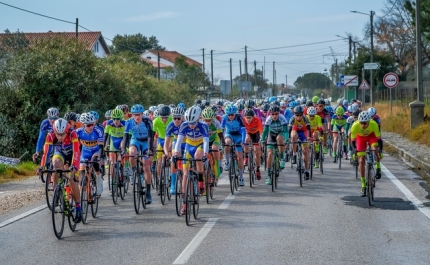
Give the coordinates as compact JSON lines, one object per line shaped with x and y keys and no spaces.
{"x":391,"y":80}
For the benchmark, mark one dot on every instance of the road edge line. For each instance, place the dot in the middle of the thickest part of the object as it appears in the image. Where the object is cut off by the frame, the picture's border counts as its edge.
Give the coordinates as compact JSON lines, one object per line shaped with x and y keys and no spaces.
{"x":21,"y":216}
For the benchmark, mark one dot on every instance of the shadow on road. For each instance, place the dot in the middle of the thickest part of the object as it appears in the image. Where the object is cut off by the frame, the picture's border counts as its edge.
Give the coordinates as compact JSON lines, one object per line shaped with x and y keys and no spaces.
{"x":382,"y":203}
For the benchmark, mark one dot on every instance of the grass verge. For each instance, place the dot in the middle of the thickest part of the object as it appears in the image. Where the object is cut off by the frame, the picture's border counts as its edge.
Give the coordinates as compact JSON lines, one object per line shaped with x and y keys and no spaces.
{"x":21,"y":171}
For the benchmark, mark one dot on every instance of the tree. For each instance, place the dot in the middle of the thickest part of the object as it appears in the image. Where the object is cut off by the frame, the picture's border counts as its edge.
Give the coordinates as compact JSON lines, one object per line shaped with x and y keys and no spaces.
{"x":312,"y":81}
{"x":425,"y":16}
{"x":136,"y":43}
{"x":189,"y":75}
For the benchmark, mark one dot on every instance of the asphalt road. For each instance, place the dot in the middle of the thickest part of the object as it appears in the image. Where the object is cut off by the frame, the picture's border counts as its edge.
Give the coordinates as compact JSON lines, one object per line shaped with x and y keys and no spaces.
{"x":323,"y":222}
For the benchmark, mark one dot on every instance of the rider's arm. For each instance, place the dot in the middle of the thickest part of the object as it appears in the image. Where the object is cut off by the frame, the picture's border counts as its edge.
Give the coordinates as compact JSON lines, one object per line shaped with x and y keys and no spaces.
{"x":75,"y":148}
{"x":166,"y":144}
{"x":285,"y":132}
{"x":265,"y":132}
{"x":47,"y":149}
{"x":150,"y":132}
{"x":243,"y":133}
{"x":126,"y":138}
{"x":42,"y":135}
{"x":100,"y":141}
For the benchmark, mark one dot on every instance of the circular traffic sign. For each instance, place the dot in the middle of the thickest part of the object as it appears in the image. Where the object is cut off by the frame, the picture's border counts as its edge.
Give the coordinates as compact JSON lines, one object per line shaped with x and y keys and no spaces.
{"x":391,"y":80}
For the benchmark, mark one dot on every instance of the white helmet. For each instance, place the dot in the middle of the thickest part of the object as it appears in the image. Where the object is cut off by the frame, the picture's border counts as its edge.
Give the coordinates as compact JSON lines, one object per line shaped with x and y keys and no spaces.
{"x":87,"y":118}
{"x":364,"y":116}
{"x":152,"y":108}
{"x":339,"y":101}
{"x":61,"y":126}
{"x":193,"y":114}
{"x":283,"y":104}
{"x":371,"y":111}
{"x":178,"y":112}
{"x":351,"y":108}
{"x":52,"y":113}
{"x":155,"y":113}
{"x":146,"y":113}
{"x":312,"y":111}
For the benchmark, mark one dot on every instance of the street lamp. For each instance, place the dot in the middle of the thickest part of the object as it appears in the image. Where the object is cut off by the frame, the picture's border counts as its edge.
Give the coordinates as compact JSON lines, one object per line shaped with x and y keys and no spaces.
{"x":372,"y":13}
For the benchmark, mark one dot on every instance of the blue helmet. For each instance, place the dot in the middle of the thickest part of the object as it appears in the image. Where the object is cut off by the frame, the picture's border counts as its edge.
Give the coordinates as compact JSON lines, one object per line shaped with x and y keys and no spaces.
{"x":231,"y":109}
{"x":137,"y":108}
{"x":292,"y":104}
{"x":182,"y":105}
{"x":271,"y":99}
{"x":95,"y":114}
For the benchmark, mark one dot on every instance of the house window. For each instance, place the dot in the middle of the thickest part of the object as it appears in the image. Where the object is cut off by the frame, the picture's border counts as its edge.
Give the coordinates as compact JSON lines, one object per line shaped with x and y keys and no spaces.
{"x":96,"y":47}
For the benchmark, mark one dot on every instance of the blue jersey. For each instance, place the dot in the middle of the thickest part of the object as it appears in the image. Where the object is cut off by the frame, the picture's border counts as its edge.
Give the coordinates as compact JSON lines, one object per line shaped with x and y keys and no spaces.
{"x":45,"y":128}
{"x":90,"y":141}
{"x":194,"y":137}
{"x":234,"y":127}
{"x":288,"y":114}
{"x":139,"y":132}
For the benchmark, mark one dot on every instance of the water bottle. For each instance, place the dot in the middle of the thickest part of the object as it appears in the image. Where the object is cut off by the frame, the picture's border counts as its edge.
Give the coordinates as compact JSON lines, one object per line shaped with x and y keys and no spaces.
{"x":66,"y":200}
{"x":195,"y":187}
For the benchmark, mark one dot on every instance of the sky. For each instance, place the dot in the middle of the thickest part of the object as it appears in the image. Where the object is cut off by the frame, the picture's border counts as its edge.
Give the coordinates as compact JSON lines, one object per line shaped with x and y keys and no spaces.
{"x":291,"y":28}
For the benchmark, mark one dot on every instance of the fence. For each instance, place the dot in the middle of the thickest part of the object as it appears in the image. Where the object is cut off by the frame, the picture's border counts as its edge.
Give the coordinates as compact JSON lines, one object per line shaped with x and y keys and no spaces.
{"x":403,"y":94}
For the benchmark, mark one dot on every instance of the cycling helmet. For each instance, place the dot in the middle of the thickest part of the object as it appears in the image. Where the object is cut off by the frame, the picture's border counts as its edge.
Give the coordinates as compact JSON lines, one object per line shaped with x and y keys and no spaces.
{"x":327,"y":102}
{"x":70,"y":116}
{"x":277,"y":103}
{"x":321,"y":102}
{"x":249,"y":113}
{"x":52,"y":113}
{"x":283,"y":104}
{"x":117,"y":114}
{"x":250,"y":103}
{"x":355,"y":113}
{"x":353,"y":100}
{"x":239,"y":106}
{"x":206,"y":103}
{"x":193,"y":114}
{"x":146,"y":113}
{"x":298,"y":110}
{"x":214,"y":109}
{"x":95,"y":114}
{"x":164,"y":111}
{"x":137,"y":108}
{"x":231,"y":109}
{"x":339,"y":111}
{"x":87,"y":118}
{"x":274,"y":108}
{"x":208,"y":113}
{"x":182,"y":105}
{"x":371,"y":111}
{"x":345,"y":102}
{"x":124,"y":108}
{"x":315,"y":99}
{"x":155,"y":115}
{"x":339,"y":101}
{"x":292,"y":104}
{"x":309,"y":103}
{"x":364,"y":116}
{"x":303,"y":101}
{"x":219,"y":103}
{"x":197,"y":102}
{"x":107,"y":114}
{"x":118,"y":107}
{"x":178,"y":112}
{"x":152,"y":108}
{"x":78,"y":116}
{"x":265,"y":107}
{"x":351,"y":108}
{"x":159,"y":106}
{"x":312,"y":111}
{"x":61,"y":126}
{"x":271,"y":99}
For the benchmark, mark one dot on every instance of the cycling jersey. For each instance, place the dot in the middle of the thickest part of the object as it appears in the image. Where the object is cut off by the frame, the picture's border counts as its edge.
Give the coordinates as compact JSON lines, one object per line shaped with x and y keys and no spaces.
{"x":233,"y":127}
{"x":315,"y":123}
{"x":194,"y":137}
{"x":255,"y":126}
{"x":160,"y":127}
{"x":214,"y":129}
{"x":67,"y":150}
{"x":173,"y":131}
{"x":337,"y":123}
{"x":115,"y":134}
{"x":45,"y":128}
{"x":140,"y":134}
{"x":91,"y":143}
{"x":369,"y":135}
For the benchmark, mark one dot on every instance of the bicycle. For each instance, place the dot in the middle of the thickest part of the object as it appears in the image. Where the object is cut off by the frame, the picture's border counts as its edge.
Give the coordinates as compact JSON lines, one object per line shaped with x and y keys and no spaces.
{"x":164,"y":180}
{"x":233,"y":171}
{"x":179,"y":200}
{"x":139,"y":184}
{"x":210,"y":179}
{"x":354,"y":163}
{"x":311,"y":159}
{"x":192,"y":195}
{"x":339,"y":148}
{"x":275,"y":166}
{"x":119,"y":183}
{"x":89,"y":191}
{"x":251,"y":164}
{"x":62,"y":203}
{"x":300,"y":167}
{"x":49,"y":186}
{"x":329,"y":143}
{"x":370,"y":175}
{"x":321,"y":157}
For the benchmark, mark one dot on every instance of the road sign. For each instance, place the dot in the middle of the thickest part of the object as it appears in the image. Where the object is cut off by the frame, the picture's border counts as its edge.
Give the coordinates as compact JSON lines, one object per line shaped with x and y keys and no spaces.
{"x":342,"y":80}
{"x":371,"y":66}
{"x":364,"y":85}
{"x":391,"y":80}
{"x":351,"y":80}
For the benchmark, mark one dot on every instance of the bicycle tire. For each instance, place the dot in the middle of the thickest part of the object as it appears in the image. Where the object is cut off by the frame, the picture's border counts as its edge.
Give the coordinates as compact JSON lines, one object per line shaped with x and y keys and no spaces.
{"x":162,"y":184}
{"x":368,"y":186}
{"x":168,"y":182}
{"x":58,"y":215}
{"x":122,"y":181}
{"x":95,"y":204}
{"x":236,"y":176}
{"x":277,"y":170}
{"x":49,"y":190}
{"x":251,"y":168}
{"x":208,"y":172}
{"x":312,"y":162}
{"x":196,"y":203}
{"x":115,"y":184}
{"x":84,"y":200}
{"x":189,"y":189}
{"x":154,"y":176}
{"x":137,"y":185}
{"x":108,"y":173}
{"x":71,"y":217}
{"x":178,"y":192}
{"x":143,"y":191}
{"x":299,"y":168}
{"x":340,"y":151}
{"x":231,"y":175}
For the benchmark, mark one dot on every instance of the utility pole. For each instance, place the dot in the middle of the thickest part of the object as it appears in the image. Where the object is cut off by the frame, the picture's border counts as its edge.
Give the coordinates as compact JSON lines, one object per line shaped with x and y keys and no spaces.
{"x":264,"y":69}
{"x":274,"y":87}
{"x":286,"y":82}
{"x":158,"y":62}
{"x":255,"y":72}
{"x":212,"y":69}
{"x":231,"y":77}
{"x":363,"y":91}
{"x":246,"y":63}
{"x":240,"y":70}
{"x":77,"y":28}
{"x":355,"y":52}
{"x":203,"y":59}
{"x":350,"y":49}
{"x":371,"y":57}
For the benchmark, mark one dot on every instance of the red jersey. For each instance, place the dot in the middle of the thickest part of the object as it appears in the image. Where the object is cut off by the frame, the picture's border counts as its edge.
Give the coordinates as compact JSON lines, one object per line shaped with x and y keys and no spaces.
{"x":69,"y":145}
{"x":254,"y":126}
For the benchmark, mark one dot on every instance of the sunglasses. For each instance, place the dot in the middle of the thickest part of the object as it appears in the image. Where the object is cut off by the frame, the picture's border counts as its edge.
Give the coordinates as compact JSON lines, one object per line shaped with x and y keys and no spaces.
{"x":192,"y":123}
{"x":177,"y":119}
{"x":137,"y":114}
{"x":164,"y":118}
{"x":208,"y":120}
{"x":60,"y":134}
{"x":53,"y":118}
{"x":274,"y":114}
{"x":89,"y":125}
{"x":249,"y":117}
{"x":116,"y":119}
{"x":363,"y":123}
{"x":312,"y":116}
{"x":320,"y":106}
{"x":298,"y":115}
{"x":230,"y":115}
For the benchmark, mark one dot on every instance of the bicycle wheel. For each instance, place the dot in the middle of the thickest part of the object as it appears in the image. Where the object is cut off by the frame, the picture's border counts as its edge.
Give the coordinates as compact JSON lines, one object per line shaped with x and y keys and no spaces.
{"x":162,"y":185}
{"x":49,"y":190}
{"x":369,"y":185}
{"x":273,"y":171}
{"x":95,"y":204}
{"x":277,"y":171}
{"x":321,"y":159}
{"x":231,"y":175}
{"x":57,"y":212}
{"x":251,"y":169}
{"x":299,"y":168}
{"x":168,"y":182}
{"x":122,"y":181}
{"x":143,"y":192}
{"x":312,"y":162}
{"x":340,"y":152}
{"x":115,"y":184}
{"x":188,"y":198}
{"x":154,"y":176}
{"x":109,"y":175}
{"x":236,"y":176}
{"x":136,"y":191}
{"x":178,"y":192}
{"x":207,"y":175}
{"x":84,"y":199}
{"x":196,"y":201}
{"x":126,"y":178}
{"x":72,"y":213}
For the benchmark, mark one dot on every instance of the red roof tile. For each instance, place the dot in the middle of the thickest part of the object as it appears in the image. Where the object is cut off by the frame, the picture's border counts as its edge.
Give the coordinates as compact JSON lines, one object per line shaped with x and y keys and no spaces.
{"x":172,"y":55}
{"x":155,"y":64}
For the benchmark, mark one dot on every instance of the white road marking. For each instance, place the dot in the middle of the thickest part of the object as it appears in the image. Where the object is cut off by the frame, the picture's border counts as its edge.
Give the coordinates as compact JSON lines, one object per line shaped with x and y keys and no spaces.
{"x":419,"y":204}
{"x":224,"y":205}
{"x":23,"y":215}
{"x":194,"y":244}
{"x":1,"y":191}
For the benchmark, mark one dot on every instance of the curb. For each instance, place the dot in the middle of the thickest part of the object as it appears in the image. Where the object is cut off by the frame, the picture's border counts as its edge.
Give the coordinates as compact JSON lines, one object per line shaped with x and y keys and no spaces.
{"x":422,"y":167}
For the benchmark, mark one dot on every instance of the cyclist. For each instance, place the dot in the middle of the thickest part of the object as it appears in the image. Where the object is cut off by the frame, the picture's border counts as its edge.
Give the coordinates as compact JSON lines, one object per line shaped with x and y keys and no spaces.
{"x":275,"y":131}
{"x":351,"y":119}
{"x":125,"y":110}
{"x":300,"y":128}
{"x":45,"y":128}
{"x":64,"y":141}
{"x":234,"y":133}
{"x":372,"y":113}
{"x":72,"y":119}
{"x":173,"y":130}
{"x":197,"y":145}
{"x":265,"y":109}
{"x":113,"y":136}
{"x":107,"y":116}
{"x":326,"y":121}
{"x":364,"y":131}
{"x":96,"y":124}
{"x":91,"y":139}
{"x":139,"y":137}
{"x":159,"y":126}
{"x":338,"y":123}
{"x":316,"y":131}
{"x":254,"y":128}
{"x":250,"y":104}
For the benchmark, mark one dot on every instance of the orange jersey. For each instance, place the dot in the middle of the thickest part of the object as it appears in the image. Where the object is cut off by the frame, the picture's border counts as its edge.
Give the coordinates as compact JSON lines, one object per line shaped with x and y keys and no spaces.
{"x":254,"y":126}
{"x":78,"y":125}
